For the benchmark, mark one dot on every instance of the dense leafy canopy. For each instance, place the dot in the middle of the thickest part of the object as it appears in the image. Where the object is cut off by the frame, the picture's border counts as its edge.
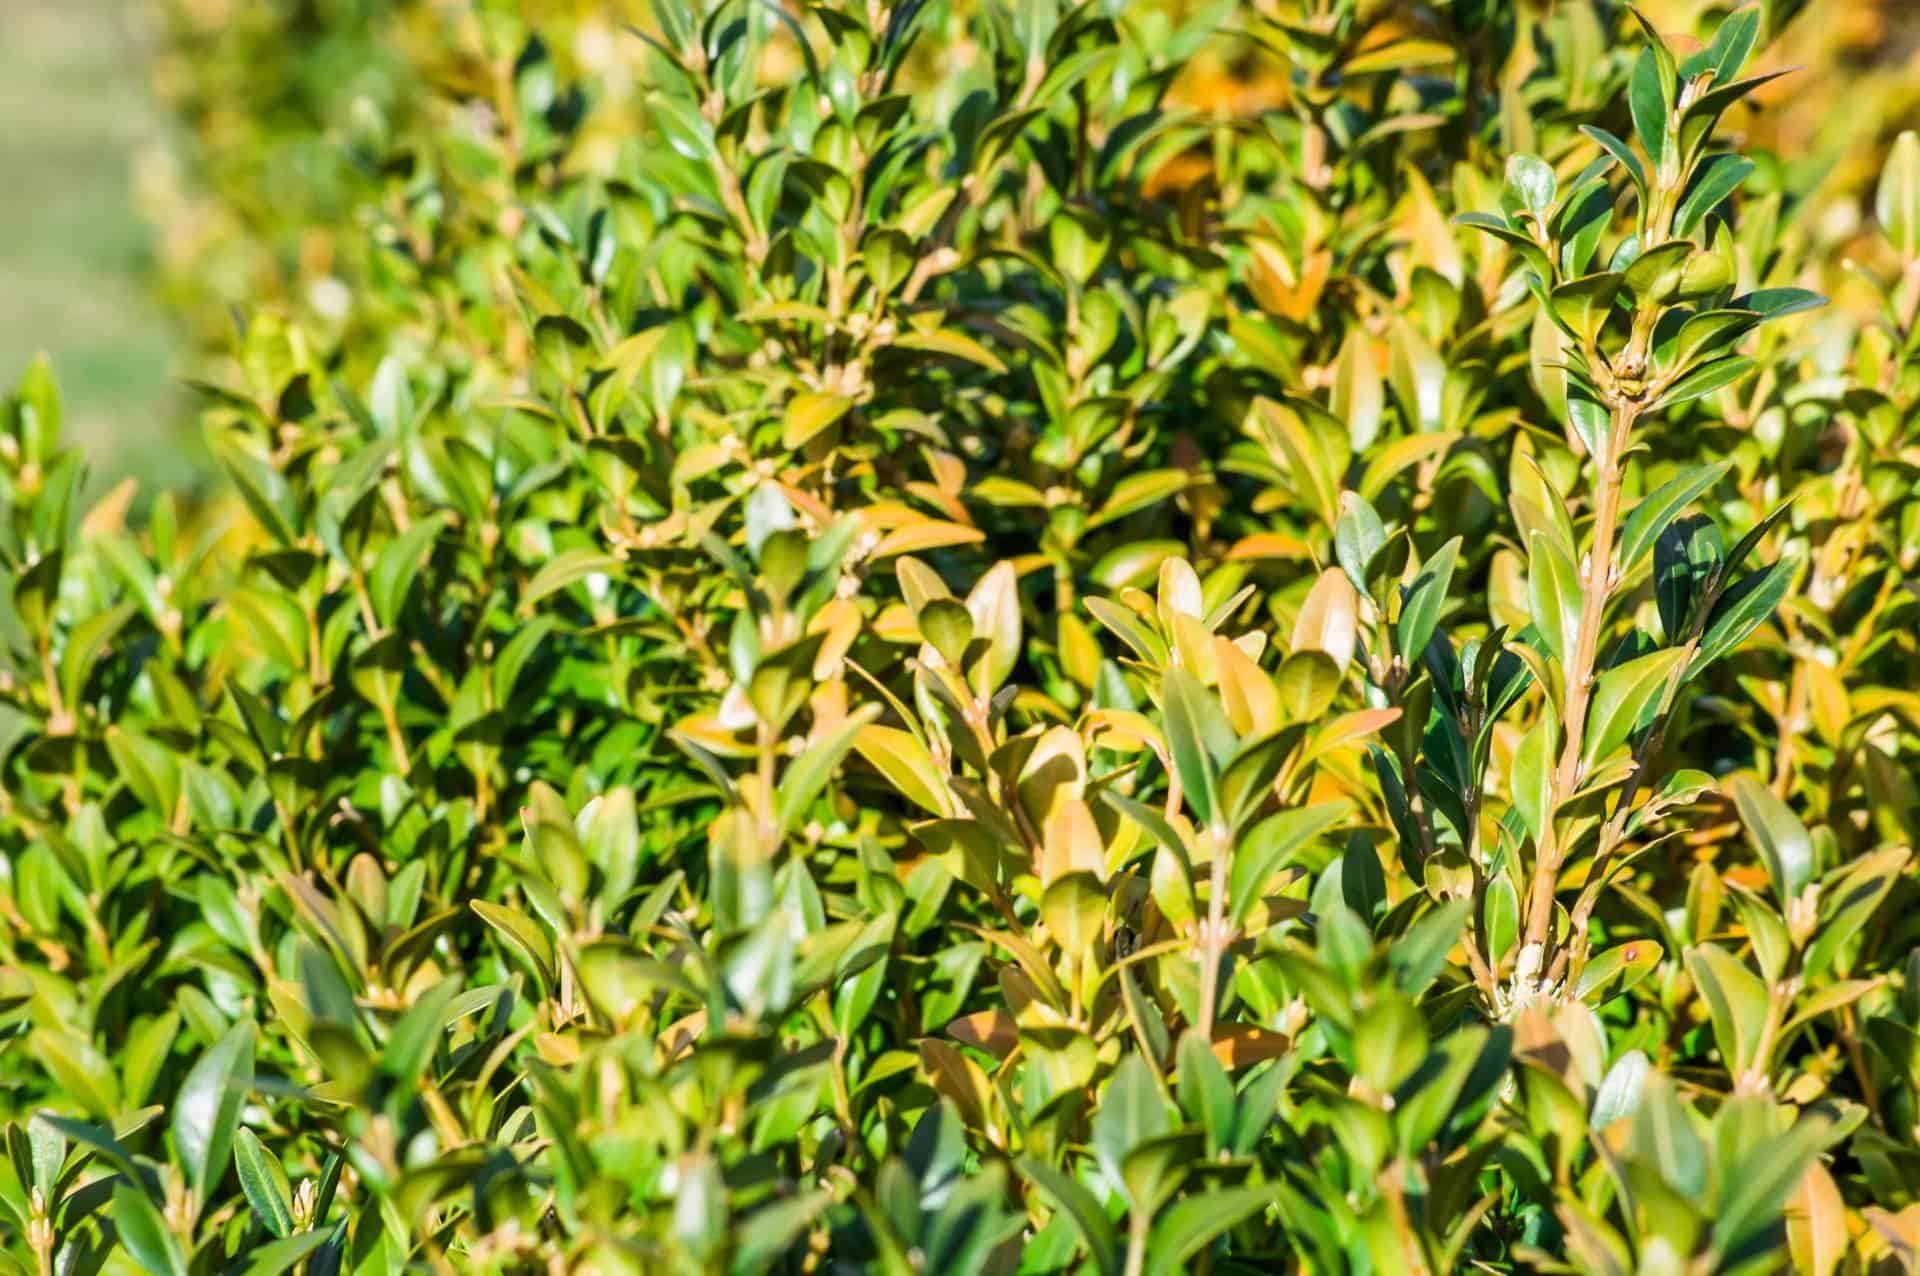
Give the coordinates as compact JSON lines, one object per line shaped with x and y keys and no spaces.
{"x":869,"y":636}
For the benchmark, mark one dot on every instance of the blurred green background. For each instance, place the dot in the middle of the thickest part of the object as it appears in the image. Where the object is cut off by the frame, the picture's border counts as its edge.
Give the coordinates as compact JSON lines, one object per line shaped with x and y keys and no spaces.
{"x":94,"y":170}
{"x":77,"y":118}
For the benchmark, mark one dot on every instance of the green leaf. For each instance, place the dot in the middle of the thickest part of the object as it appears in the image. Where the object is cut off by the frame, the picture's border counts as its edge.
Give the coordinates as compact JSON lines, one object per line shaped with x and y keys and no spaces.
{"x":1650,"y":96}
{"x":1753,"y":1200}
{"x":1079,"y":1205}
{"x":1623,"y":698}
{"x":207,"y":1109}
{"x":1358,"y":537}
{"x":398,"y":564}
{"x":144,"y":1233}
{"x":1655,"y":275}
{"x":1307,"y":683}
{"x":1269,"y":844}
{"x":1389,"y":1041}
{"x":1621,"y":153}
{"x":1154,"y":823}
{"x":148,"y":1047}
{"x":567,"y":569}
{"x":1848,"y":902}
{"x":763,"y":1237}
{"x":416,"y":1034}
{"x":1737,"y":1002}
{"x":905,"y":764}
{"x":1198,"y":1221}
{"x":686,"y":131}
{"x":1418,"y":956}
{"x":522,"y":934}
{"x":1418,"y":375}
{"x":1193,"y":722}
{"x":1136,"y":492}
{"x":1358,"y":397}
{"x":1663,"y":1135}
{"x":1591,"y":420}
{"x":1707,"y":333}
{"x":954,"y":344}
{"x":50,"y":1152}
{"x":994,"y":605}
{"x":282,"y":1255}
{"x":1533,"y":181}
{"x":1618,"y":969}
{"x":1074,"y":908}
{"x":1686,"y":561}
{"x":611,"y":840}
{"x":1079,"y":243}
{"x":1554,"y":598}
{"x":1741,"y":610}
{"x":809,"y":413}
{"x":1897,"y":201}
{"x":1704,"y":380}
{"x":83,"y":1073}
{"x":265,"y":491}
{"x":36,"y":592}
{"x":1777,"y":303}
{"x":1129,"y":628}
{"x":1465,"y":1068}
{"x":1247,"y":779}
{"x":1421,"y":603}
{"x":390,"y":397}
{"x":1205,"y":1093}
{"x":1733,"y":42}
{"x":1718,"y":178}
{"x":808,"y":774}
{"x":1531,"y":778}
{"x":1503,"y":908}
{"x":151,"y":770}
{"x":1584,"y":304}
{"x":1652,"y":515}
{"x":1700,"y":119}
{"x":1529,"y":249}
{"x":1316,"y":448}
{"x":1766,"y":932}
{"x":37,"y":403}
{"x":1619,"y":1094}
{"x":1777,"y":834}
{"x":264,"y":1183}
{"x":1131,"y":1112}
{"x":1737,"y":556}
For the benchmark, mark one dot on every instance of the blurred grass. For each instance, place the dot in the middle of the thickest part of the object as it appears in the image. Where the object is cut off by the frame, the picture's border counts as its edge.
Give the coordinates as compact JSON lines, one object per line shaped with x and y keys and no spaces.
{"x":74,"y":252}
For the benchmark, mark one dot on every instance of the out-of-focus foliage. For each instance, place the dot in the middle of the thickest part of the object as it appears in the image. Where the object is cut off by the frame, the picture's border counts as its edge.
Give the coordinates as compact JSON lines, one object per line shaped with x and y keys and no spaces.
{"x":976,"y":637}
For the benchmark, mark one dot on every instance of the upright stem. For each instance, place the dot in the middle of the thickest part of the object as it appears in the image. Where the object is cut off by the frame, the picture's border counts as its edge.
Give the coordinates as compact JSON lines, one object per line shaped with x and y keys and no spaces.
{"x":1213,"y":940}
{"x":1573,"y":959}
{"x":1139,"y":1228}
{"x":769,"y":829}
{"x":396,"y":738}
{"x":1596,"y":586}
{"x":59,"y":722}
{"x":1471,"y":941}
{"x":1758,"y":1076}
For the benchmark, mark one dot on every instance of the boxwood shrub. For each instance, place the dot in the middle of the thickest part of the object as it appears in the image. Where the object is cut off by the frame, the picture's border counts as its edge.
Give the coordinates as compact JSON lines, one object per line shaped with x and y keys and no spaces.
{"x":968,"y":635}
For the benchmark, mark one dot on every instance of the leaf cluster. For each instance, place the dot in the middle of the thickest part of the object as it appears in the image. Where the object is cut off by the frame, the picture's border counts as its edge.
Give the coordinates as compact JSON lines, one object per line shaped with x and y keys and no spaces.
{"x":853,"y":636}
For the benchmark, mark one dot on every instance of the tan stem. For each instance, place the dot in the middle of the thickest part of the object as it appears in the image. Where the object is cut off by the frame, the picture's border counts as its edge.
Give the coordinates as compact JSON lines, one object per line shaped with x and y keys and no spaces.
{"x":1574,"y":959}
{"x":1139,"y":1228}
{"x":1758,"y":1077}
{"x":1476,"y":960}
{"x":1596,"y":586}
{"x":1213,"y":940}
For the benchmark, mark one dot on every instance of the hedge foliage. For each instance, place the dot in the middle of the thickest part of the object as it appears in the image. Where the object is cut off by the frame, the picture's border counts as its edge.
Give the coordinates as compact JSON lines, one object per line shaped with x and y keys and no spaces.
{"x":958,"y":635}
